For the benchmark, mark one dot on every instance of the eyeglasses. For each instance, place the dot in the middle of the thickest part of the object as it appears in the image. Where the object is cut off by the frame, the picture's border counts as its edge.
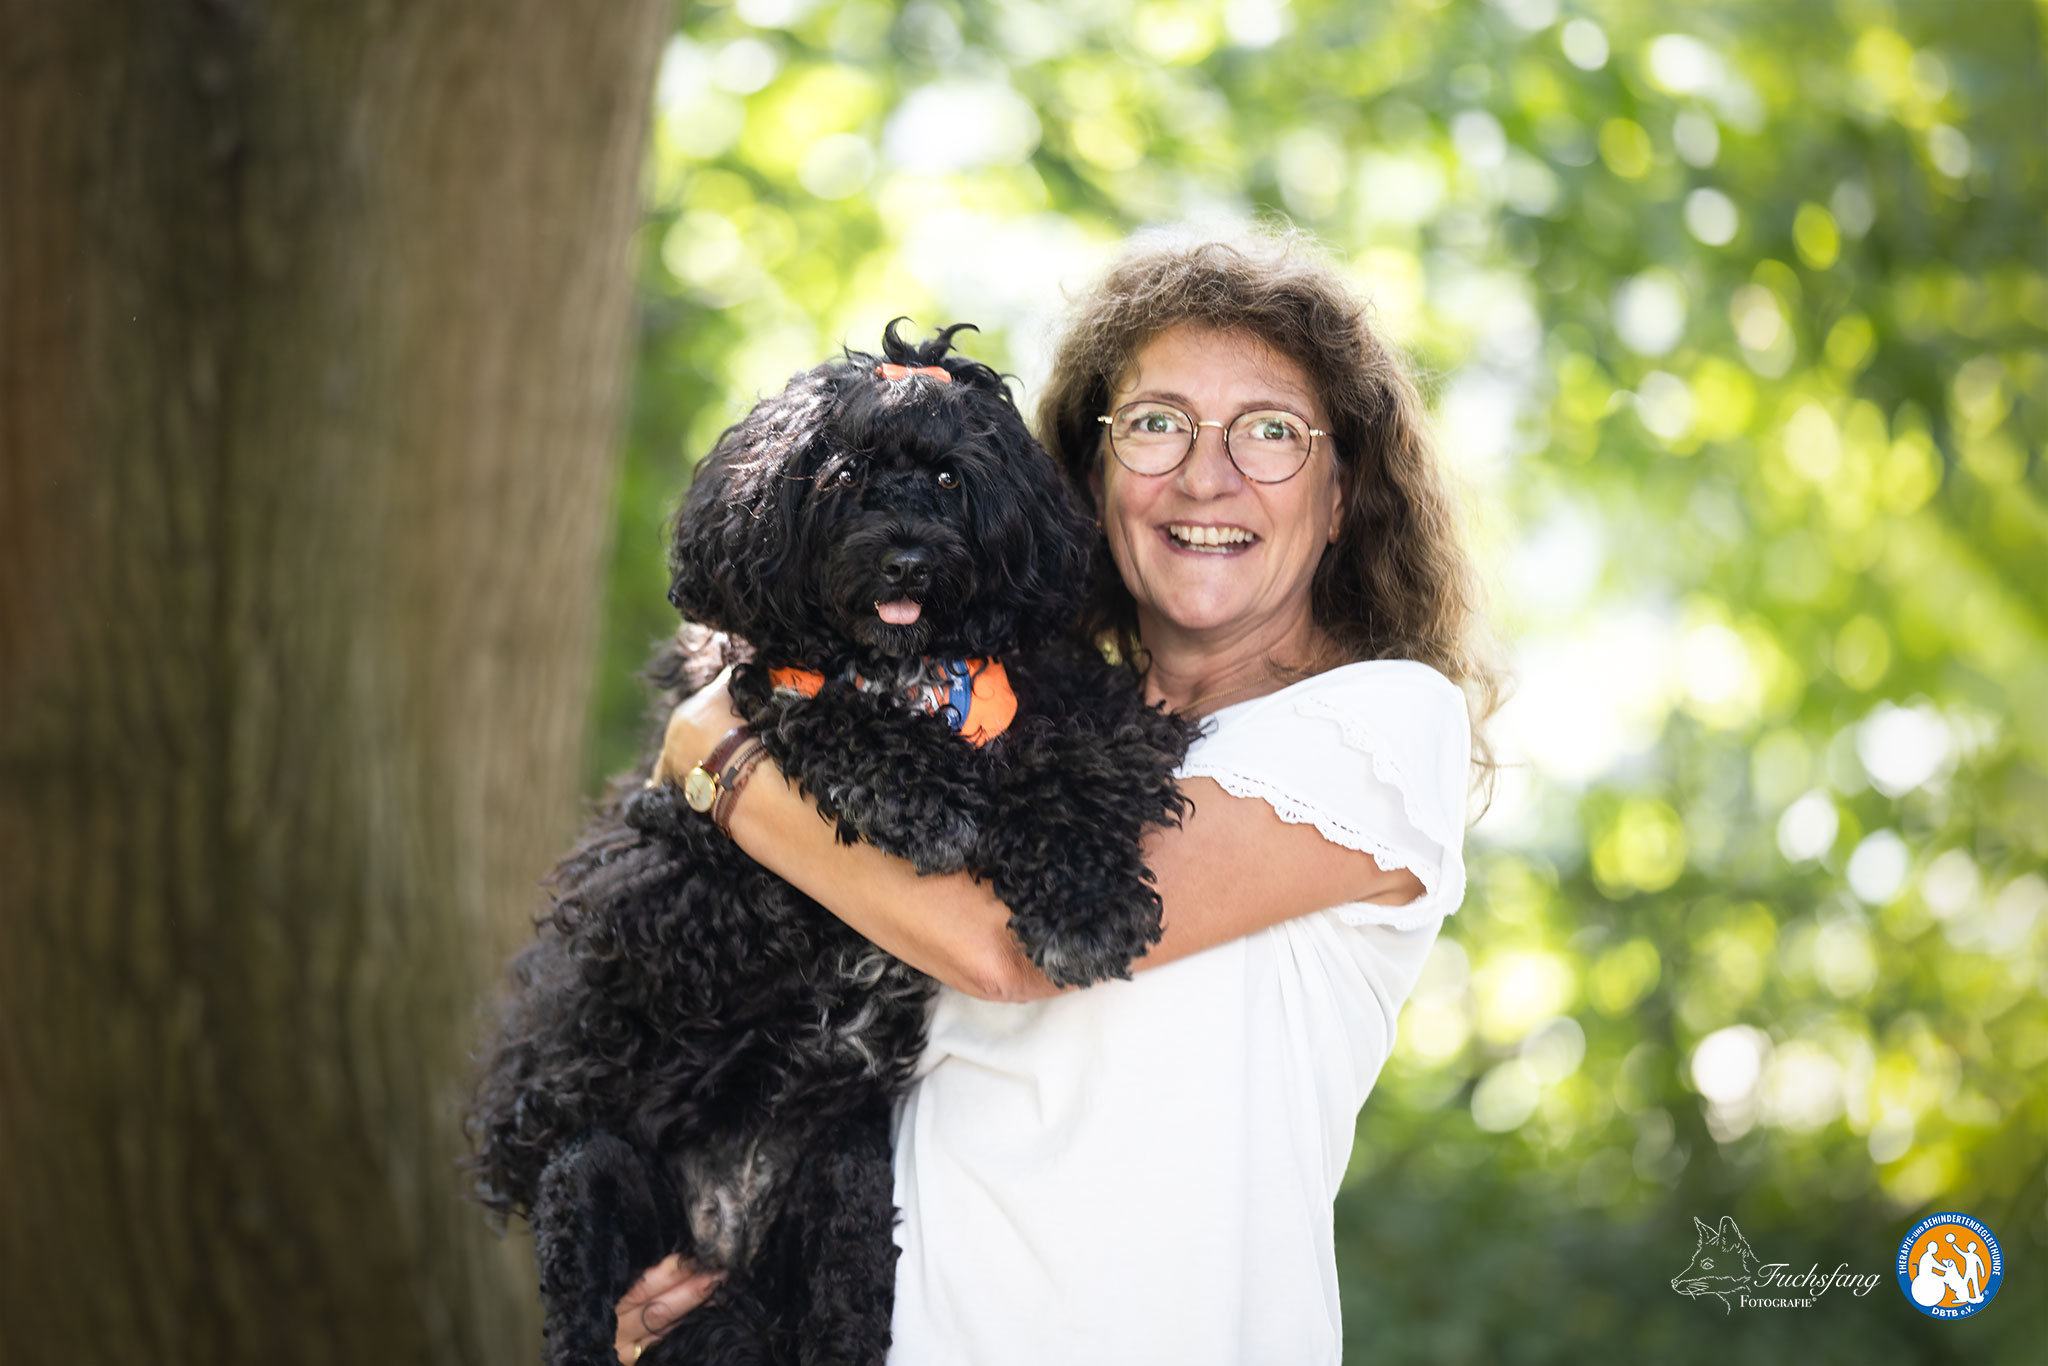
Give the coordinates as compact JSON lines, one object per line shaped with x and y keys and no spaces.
{"x":1267,"y":445}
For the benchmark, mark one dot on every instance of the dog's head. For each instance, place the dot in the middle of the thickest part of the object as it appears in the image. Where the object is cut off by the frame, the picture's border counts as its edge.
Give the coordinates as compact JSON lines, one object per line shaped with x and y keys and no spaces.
{"x":869,"y":515}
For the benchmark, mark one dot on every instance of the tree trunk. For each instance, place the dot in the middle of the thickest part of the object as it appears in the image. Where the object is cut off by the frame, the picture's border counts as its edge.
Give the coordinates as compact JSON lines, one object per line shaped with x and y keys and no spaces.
{"x":314,"y":322}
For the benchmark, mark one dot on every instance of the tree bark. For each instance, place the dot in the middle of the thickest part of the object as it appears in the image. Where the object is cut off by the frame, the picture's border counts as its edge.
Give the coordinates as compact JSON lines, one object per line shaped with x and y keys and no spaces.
{"x":314,"y":326}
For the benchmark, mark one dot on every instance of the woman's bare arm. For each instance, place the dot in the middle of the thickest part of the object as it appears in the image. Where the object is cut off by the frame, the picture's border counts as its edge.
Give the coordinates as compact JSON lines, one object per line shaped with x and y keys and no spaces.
{"x":1232,"y":867}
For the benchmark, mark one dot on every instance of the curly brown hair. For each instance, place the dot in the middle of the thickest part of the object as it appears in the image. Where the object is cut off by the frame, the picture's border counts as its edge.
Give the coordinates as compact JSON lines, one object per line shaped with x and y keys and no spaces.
{"x":1397,"y":583}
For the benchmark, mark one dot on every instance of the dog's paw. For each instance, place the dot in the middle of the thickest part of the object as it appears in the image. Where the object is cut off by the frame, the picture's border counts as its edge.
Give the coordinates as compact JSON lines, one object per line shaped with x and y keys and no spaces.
{"x":655,"y":811}
{"x":1098,"y":943}
{"x":946,"y":853}
{"x":935,"y":835}
{"x":939,"y":838}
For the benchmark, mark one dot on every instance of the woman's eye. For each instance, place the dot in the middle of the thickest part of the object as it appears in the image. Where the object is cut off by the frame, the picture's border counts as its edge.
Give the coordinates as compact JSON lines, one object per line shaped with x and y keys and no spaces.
{"x":1272,"y":429}
{"x":847,"y":477}
{"x":948,"y":479}
{"x":1156,"y":422}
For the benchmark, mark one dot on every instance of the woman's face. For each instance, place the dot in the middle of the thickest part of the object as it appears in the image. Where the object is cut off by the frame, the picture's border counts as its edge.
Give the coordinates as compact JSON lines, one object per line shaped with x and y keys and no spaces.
{"x":1255,"y":584}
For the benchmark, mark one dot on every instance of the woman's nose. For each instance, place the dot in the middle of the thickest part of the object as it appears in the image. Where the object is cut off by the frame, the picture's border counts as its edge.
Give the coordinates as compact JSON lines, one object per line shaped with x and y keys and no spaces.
{"x":1208,"y":470}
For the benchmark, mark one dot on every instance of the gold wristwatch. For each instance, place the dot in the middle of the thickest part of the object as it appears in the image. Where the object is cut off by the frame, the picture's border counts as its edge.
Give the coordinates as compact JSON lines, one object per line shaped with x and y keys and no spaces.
{"x":714,"y":785}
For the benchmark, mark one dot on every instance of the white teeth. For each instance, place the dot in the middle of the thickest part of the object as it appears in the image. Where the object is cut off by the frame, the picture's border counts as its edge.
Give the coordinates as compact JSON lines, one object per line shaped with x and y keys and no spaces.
{"x":1210,"y":535}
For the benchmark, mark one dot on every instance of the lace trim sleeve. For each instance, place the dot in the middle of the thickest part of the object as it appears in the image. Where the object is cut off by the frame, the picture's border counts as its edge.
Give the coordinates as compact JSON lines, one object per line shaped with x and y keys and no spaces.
{"x":1375,"y":756}
{"x":1413,"y":915}
{"x":1426,"y":816}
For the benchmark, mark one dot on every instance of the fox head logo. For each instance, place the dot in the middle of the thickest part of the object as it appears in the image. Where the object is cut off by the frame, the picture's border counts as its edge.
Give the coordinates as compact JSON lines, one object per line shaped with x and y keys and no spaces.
{"x":1722,"y":1265}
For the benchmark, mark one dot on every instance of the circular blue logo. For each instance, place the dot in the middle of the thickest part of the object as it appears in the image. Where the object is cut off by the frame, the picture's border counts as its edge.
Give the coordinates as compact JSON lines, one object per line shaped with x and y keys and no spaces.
{"x":1949,"y":1266}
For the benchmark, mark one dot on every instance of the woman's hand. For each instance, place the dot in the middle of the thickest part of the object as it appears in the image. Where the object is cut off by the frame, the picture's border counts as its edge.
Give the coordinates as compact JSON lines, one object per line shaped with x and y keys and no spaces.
{"x":694,"y":730}
{"x":671,"y":1288}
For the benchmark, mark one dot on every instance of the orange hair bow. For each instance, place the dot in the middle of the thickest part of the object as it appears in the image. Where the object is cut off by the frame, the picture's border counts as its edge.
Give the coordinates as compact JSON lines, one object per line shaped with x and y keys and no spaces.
{"x":889,"y":371}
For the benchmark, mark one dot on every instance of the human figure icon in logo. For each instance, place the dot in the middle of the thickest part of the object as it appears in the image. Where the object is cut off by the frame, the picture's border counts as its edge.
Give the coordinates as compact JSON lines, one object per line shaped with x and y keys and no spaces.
{"x":1973,"y":1271}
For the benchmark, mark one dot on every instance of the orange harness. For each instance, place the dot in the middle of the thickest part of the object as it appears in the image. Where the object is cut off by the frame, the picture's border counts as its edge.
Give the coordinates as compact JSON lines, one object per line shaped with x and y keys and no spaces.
{"x":973,"y":695}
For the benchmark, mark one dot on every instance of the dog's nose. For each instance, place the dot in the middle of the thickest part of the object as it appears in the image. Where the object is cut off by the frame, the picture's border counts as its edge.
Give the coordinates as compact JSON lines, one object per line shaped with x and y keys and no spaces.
{"x":909,"y":570}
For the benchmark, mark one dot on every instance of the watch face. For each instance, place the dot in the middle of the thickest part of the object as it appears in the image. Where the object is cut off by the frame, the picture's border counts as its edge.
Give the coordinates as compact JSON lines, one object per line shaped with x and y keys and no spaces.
{"x":700,"y":789}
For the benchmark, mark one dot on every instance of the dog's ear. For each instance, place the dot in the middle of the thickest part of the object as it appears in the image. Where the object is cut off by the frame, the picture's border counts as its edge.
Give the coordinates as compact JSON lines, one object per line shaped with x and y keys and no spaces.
{"x":700,"y":572}
{"x":733,"y":552}
{"x":1032,"y":532}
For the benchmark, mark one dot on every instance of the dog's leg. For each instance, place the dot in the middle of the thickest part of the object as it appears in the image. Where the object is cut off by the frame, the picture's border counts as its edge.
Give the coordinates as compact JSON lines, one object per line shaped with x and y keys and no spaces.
{"x":729,"y":1329}
{"x":902,"y":783}
{"x":821,"y":1289}
{"x":849,"y":1255}
{"x":603,"y":1217}
{"x":1061,"y":847}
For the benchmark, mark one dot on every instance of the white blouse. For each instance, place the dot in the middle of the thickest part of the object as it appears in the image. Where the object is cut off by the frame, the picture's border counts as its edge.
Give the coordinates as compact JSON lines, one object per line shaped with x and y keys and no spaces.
{"x":1143,"y":1172}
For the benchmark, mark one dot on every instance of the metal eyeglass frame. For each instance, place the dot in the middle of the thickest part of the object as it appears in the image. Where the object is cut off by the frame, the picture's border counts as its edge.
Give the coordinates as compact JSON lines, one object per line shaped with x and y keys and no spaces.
{"x":1195,"y":434}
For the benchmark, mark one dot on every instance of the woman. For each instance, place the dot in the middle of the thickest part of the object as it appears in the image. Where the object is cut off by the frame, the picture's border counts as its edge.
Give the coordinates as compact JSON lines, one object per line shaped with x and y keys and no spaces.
{"x":1143,"y":1171}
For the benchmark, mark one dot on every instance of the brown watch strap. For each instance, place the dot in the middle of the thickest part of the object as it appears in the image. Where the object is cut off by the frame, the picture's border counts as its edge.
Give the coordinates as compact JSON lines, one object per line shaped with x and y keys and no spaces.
{"x":732,"y":778}
{"x":728,"y":745}
{"x":700,"y":784}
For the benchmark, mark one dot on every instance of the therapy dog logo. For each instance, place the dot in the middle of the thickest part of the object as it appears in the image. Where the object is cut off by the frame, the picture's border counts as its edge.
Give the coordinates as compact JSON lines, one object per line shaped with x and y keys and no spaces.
{"x":1950,"y":1266}
{"x":1724,"y":1266}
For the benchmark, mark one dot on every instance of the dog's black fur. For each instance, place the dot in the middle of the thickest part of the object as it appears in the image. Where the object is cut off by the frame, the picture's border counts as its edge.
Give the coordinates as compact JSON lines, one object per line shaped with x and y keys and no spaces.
{"x":697,"y":1058}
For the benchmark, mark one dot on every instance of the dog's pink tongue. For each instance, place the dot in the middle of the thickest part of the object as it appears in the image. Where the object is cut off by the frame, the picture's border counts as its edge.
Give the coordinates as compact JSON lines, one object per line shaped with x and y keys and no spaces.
{"x":902,"y":612}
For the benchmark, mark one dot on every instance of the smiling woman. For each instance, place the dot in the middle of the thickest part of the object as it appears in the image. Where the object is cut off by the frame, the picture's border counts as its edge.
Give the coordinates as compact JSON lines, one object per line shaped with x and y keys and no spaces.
{"x":1219,"y":564}
{"x":1396,"y":583}
{"x":1143,"y":1171}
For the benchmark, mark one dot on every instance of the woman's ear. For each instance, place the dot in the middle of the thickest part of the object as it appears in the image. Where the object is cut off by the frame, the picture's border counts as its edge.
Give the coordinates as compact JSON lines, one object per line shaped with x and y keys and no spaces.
{"x":1095,"y":492}
{"x":1340,"y":489}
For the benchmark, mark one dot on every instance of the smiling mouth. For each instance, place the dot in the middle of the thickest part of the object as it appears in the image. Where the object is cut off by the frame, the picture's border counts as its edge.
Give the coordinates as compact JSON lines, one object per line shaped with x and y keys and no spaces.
{"x":1209,"y":540}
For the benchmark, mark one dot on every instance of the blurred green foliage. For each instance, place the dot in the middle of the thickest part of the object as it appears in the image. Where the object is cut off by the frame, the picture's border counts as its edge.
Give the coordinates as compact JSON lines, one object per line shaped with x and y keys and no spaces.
{"x":1735,"y":316}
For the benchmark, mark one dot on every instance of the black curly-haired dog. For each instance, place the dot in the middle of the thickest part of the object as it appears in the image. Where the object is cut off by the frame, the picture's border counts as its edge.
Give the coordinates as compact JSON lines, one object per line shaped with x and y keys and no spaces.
{"x":697,"y":1058}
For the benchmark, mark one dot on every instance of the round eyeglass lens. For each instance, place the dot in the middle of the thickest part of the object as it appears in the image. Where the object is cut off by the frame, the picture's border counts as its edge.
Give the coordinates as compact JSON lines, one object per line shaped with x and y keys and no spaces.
{"x":1150,"y":438}
{"x":1269,"y":445}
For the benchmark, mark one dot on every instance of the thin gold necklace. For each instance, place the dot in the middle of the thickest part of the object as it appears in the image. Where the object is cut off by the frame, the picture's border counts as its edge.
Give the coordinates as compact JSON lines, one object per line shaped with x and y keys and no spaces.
{"x":1227,"y":692}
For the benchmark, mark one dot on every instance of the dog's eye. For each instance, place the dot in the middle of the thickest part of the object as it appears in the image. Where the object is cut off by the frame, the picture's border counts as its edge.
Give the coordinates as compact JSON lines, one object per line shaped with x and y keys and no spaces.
{"x":948,"y":479}
{"x":847,"y":477}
